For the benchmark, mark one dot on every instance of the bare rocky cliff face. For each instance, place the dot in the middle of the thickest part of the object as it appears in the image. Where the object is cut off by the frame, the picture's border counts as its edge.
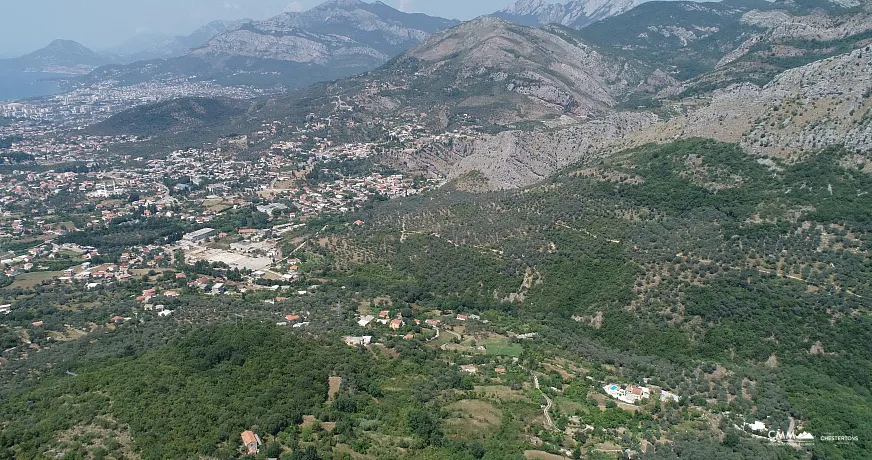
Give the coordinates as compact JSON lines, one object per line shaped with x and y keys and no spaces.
{"x":822,"y":104}
{"x":515,"y":158}
{"x":574,"y":13}
{"x":782,"y":27}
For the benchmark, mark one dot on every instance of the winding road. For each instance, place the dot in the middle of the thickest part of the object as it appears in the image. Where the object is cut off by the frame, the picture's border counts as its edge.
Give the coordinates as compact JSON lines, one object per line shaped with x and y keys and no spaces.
{"x":546,"y":410}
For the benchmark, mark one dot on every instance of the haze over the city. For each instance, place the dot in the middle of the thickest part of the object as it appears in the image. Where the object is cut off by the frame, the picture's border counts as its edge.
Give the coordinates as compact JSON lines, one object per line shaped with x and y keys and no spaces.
{"x":103,"y":24}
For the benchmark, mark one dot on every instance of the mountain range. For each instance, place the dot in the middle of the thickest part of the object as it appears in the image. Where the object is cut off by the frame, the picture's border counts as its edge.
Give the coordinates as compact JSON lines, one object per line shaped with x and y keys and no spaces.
{"x":333,"y":40}
{"x":552,"y":95}
{"x":73,"y":58}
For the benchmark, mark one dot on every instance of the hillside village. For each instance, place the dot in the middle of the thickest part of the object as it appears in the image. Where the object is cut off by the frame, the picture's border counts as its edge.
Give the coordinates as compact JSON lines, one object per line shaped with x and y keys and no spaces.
{"x":299,"y":181}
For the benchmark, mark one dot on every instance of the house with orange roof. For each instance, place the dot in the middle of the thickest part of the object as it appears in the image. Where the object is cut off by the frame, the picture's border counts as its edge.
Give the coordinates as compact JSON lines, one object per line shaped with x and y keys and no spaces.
{"x":251,"y":441}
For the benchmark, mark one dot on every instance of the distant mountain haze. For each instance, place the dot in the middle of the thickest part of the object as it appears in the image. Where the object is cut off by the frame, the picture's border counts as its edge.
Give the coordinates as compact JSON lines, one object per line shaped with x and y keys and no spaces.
{"x":333,"y":40}
{"x":338,"y":38}
{"x":345,"y":36}
{"x":157,"y":46}
{"x":162,"y":29}
{"x":105,"y":24}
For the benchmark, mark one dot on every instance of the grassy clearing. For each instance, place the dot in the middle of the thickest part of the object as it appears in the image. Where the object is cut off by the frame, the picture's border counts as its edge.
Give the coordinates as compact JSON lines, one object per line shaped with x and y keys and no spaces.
{"x":500,"y":346}
{"x":472,"y":417}
{"x":334,"y":384}
{"x":502,"y":393}
{"x":567,"y":406}
{"x":33,"y":279}
{"x":514,"y":350}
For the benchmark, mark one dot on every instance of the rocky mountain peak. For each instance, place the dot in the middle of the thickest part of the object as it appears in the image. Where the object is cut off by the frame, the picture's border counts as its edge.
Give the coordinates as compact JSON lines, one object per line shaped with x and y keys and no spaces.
{"x":60,"y":56}
{"x":65,"y":47}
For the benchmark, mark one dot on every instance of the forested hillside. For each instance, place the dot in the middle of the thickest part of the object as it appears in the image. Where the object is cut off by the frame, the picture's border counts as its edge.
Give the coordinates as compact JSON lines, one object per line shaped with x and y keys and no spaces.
{"x":666,"y":260}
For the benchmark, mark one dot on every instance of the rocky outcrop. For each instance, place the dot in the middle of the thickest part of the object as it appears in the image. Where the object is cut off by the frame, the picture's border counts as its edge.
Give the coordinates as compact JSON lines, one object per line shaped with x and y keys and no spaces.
{"x":781,"y":25}
{"x":822,"y":104}
{"x":515,"y":158}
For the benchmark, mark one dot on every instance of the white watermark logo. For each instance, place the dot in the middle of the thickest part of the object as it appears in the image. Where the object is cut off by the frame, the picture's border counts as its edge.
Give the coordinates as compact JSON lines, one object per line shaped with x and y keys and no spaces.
{"x":790,"y":437}
{"x":838,"y":438}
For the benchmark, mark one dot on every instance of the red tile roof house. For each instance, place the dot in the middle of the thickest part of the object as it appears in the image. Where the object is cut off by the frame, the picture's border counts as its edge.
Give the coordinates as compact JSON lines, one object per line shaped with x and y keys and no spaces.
{"x":251,"y":441}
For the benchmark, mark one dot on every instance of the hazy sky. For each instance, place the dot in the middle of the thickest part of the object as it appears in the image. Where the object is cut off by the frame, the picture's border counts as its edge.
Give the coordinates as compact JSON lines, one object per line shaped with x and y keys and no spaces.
{"x":26,"y":25}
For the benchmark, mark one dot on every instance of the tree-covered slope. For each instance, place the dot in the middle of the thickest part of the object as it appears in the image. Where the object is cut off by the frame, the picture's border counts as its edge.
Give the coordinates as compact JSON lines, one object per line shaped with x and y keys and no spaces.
{"x":662,"y":259}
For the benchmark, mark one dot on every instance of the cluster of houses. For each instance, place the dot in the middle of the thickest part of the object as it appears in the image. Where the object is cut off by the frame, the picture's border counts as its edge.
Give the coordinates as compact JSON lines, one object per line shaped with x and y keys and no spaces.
{"x":633,"y":394}
{"x":147,"y":257}
{"x":293,"y":320}
{"x":397,"y":322}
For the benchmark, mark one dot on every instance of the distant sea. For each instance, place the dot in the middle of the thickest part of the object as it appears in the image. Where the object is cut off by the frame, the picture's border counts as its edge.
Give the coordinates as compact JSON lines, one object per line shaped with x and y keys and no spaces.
{"x":21,"y":85}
